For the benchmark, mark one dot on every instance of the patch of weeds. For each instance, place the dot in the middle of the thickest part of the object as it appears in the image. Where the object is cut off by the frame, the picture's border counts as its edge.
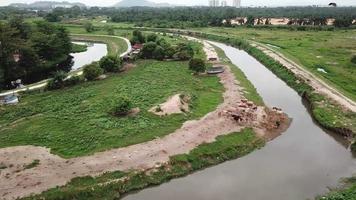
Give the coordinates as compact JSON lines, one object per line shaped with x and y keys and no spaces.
{"x":33,"y":164}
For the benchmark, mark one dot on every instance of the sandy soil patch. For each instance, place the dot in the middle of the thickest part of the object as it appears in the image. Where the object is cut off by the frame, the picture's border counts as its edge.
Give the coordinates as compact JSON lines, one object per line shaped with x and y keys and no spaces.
{"x":174,"y":105}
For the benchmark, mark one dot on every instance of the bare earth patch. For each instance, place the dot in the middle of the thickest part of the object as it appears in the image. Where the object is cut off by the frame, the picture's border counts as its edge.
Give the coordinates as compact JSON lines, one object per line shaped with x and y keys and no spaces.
{"x":174,"y":105}
{"x":55,"y":171}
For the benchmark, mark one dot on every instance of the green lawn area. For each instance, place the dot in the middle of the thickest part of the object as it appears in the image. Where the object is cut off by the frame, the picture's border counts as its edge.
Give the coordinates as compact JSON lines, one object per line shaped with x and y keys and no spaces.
{"x":76,"y":121}
{"x":330,"y":50}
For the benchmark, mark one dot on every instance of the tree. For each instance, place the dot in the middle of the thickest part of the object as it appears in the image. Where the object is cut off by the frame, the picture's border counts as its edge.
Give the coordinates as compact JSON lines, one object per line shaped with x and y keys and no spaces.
{"x":53,"y":17}
{"x":110,"y":30}
{"x":137,"y":37}
{"x":197,"y":65}
{"x":89,"y":27}
{"x":58,"y":81}
{"x":110,"y":64}
{"x":250,"y":20}
{"x":184,"y":52}
{"x":148,"y":48}
{"x":158,"y":53}
{"x":152,"y":38}
{"x":343,"y":22}
{"x":123,"y":106}
{"x":10,"y":41}
{"x":353,"y":59}
{"x":92,"y":71}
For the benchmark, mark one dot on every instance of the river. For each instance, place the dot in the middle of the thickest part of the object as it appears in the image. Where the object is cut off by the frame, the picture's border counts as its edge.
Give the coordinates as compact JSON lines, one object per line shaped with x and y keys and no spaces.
{"x":94,"y":52}
{"x":300,"y":164}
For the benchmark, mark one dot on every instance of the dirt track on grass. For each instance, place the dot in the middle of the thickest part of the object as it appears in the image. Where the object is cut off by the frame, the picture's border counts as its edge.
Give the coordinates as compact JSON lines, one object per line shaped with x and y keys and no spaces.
{"x":54,"y":171}
{"x":315,"y":82}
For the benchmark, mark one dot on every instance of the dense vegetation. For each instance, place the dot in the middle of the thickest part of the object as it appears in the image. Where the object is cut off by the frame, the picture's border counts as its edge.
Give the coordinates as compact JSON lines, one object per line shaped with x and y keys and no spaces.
{"x":109,"y":186}
{"x":31,"y":51}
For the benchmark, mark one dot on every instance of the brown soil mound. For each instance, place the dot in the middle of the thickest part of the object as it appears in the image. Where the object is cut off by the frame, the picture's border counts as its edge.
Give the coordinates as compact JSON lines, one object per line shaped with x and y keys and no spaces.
{"x":174,"y":105}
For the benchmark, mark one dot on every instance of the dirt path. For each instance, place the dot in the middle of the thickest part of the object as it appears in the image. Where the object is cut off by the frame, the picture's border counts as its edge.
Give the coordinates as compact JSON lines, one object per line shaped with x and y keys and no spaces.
{"x":54,"y":171}
{"x":315,"y":82}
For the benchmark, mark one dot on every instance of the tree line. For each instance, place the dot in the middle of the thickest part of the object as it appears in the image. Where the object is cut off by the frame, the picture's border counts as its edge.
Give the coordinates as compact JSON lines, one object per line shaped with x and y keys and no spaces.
{"x":31,"y":51}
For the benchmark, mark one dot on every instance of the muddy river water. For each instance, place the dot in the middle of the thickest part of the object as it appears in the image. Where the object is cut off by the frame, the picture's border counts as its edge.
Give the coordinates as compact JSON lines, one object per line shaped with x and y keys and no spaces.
{"x":94,"y":52}
{"x":300,"y":164}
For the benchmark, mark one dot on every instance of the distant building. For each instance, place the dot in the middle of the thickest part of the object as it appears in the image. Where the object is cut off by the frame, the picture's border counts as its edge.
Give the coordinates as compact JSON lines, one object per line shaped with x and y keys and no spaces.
{"x":223,"y":3}
{"x":236,"y":3}
{"x":214,"y":3}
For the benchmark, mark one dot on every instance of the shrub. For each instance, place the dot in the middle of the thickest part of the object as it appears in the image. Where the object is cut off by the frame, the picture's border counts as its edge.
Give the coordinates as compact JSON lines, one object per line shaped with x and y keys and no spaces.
{"x":353,"y":147}
{"x":147,"y":50}
{"x":152,"y":38}
{"x":158,"y":53}
{"x":58,"y":81}
{"x":73,"y":80}
{"x":197,"y":65}
{"x":353,"y":59}
{"x":137,"y":37}
{"x":89,"y":27}
{"x":110,"y":64}
{"x":92,"y":71}
{"x":123,"y":105}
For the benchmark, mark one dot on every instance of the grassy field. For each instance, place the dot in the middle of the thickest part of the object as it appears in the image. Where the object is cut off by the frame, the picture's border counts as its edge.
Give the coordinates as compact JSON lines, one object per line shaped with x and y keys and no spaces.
{"x":328,"y":50}
{"x":109,"y":186}
{"x":77,"y":48}
{"x":76,"y":121}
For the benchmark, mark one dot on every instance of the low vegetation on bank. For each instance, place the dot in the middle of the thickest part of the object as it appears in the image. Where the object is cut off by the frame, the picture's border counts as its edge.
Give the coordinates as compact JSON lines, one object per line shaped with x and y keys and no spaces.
{"x":347,"y":192}
{"x":114,"y":185}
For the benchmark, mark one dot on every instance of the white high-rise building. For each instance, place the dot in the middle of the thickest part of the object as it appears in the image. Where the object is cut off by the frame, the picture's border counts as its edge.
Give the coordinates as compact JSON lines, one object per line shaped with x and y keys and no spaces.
{"x":236,"y":3}
{"x":223,"y":3}
{"x":214,"y":3}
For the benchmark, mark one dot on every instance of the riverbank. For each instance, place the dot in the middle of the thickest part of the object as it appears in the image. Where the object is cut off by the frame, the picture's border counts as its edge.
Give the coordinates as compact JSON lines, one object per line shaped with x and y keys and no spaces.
{"x":146,"y":155}
{"x":326,"y":112}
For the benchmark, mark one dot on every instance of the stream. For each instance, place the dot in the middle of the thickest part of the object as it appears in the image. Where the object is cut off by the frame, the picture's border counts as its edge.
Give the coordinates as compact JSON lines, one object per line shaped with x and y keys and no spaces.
{"x":94,"y":52}
{"x":299,"y":165}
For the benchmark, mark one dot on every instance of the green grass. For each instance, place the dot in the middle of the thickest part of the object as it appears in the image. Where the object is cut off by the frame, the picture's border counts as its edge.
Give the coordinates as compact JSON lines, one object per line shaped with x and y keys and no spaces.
{"x":347,"y":192}
{"x":76,"y":121}
{"x":330,"y":50}
{"x":110,"y":186}
{"x":77,"y":48}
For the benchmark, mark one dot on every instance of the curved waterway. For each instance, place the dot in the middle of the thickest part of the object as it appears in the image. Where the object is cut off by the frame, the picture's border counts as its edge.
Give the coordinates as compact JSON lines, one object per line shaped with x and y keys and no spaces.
{"x":94,"y":52}
{"x":298,"y":165}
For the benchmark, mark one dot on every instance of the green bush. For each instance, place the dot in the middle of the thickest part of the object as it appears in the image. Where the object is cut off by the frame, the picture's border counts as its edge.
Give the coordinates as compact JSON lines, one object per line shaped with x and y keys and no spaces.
{"x":123,"y":105}
{"x":152,"y":38}
{"x":148,"y":49}
{"x":110,"y":64}
{"x":92,"y":71}
{"x":353,"y":147}
{"x":197,"y":65}
{"x":158,"y":53}
{"x":89,"y":27}
{"x":353,"y":59}
{"x":73,"y":80}
{"x":58,"y":81}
